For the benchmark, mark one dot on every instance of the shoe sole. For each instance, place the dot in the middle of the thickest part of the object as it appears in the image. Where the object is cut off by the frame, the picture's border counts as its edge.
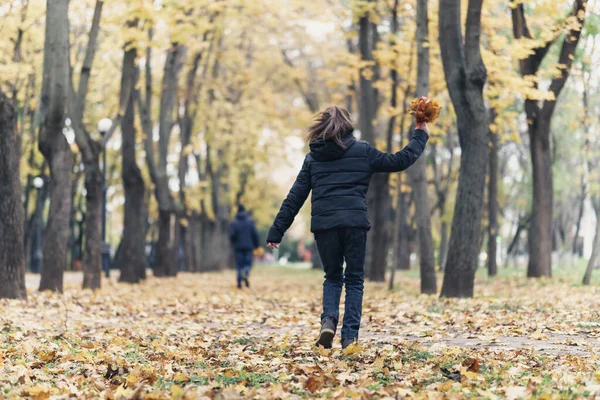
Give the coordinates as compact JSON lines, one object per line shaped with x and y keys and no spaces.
{"x":326,"y":338}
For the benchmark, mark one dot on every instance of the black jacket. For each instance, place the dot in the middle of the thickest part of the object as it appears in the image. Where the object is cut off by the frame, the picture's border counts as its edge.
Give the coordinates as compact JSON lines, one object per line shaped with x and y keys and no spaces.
{"x":339,"y":179}
{"x":243,"y":233}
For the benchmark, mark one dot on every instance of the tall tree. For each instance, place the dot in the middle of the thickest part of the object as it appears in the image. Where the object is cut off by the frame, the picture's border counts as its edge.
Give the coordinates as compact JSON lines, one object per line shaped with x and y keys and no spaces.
{"x":131,"y":259}
{"x":418,"y":172}
{"x":166,"y":260}
{"x":539,"y":117}
{"x":53,"y":143}
{"x":12,"y":255}
{"x":90,"y":154}
{"x":465,"y":77}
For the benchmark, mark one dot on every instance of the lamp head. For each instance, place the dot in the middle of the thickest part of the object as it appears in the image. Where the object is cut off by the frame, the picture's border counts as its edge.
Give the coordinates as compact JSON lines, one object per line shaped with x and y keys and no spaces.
{"x":38,"y":182}
{"x":104,"y":125}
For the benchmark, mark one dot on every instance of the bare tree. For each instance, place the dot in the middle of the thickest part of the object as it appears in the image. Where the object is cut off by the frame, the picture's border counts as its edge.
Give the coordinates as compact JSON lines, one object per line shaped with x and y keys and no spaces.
{"x":465,"y":77}
{"x":539,"y":117}
{"x":12,"y":256}
{"x":53,"y":143}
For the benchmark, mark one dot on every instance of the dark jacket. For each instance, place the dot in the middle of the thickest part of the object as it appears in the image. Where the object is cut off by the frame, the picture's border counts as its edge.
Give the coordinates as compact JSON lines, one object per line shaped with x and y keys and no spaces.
{"x":339,"y":179}
{"x":243,"y":234}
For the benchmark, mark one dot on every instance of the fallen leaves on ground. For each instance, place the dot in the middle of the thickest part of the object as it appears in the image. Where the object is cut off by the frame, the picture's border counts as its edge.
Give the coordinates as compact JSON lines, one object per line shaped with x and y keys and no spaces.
{"x":196,"y":336}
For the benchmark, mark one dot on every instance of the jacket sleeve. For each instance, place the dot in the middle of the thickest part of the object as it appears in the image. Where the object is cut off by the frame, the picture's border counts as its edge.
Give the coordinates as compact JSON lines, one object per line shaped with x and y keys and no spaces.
{"x":385,"y":162}
{"x":291,"y":205}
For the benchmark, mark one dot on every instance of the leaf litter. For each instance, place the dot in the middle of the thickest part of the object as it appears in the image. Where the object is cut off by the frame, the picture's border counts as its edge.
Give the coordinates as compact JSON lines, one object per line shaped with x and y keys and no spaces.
{"x":196,"y":336}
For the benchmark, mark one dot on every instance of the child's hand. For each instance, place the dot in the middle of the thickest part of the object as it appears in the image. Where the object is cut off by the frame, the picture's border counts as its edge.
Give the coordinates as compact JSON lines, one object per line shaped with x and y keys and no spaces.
{"x":422,"y":126}
{"x":273,"y":246}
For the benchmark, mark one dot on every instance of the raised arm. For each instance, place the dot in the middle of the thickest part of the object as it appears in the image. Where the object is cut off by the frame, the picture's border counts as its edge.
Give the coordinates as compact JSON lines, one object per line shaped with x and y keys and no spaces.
{"x":291,"y":205}
{"x":385,"y":162}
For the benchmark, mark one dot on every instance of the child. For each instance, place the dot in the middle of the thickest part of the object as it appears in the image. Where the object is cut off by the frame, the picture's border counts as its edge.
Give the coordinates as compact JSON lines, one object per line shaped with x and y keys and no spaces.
{"x":244,"y":238}
{"x":338,"y":170}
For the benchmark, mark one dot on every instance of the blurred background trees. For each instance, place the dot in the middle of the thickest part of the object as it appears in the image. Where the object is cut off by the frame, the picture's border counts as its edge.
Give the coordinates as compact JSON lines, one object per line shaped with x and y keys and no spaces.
{"x":207,"y":102}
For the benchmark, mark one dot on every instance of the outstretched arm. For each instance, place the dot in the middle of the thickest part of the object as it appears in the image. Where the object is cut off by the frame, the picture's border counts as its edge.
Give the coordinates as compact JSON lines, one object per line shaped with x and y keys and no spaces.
{"x":291,"y":205}
{"x":385,"y":162}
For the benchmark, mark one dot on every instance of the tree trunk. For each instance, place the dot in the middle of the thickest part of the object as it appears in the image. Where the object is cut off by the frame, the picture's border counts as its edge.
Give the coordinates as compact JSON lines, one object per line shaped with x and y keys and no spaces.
{"x":443,"y":239}
{"x":403,"y":249}
{"x":12,"y":255}
{"x":418,"y":172}
{"x":194,"y":232}
{"x":582,"y":197}
{"x":539,"y":117}
{"x":493,"y":203}
{"x":53,"y":144}
{"x":92,"y":258}
{"x":379,"y":206}
{"x":216,"y":249}
{"x":166,"y":255}
{"x":540,"y":232}
{"x":595,"y":257}
{"x":166,"y":260}
{"x":418,"y":179}
{"x":56,"y":234}
{"x":378,"y":196}
{"x":131,"y":258}
{"x":465,"y":77}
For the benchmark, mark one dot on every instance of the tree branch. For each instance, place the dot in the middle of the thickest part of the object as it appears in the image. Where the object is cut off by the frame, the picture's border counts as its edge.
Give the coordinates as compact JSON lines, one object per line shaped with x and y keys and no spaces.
{"x":86,"y":67}
{"x":474,"y":63}
{"x":148,"y":140}
{"x":565,"y":60}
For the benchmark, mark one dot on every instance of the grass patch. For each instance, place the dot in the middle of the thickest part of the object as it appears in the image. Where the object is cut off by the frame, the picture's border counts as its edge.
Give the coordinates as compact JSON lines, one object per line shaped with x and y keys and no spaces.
{"x":417,"y":355}
{"x":243,"y":341}
{"x":250,"y":379}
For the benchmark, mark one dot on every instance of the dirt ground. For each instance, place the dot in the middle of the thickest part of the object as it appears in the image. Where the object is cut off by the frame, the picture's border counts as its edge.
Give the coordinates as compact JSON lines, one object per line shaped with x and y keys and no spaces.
{"x":197,"y":336}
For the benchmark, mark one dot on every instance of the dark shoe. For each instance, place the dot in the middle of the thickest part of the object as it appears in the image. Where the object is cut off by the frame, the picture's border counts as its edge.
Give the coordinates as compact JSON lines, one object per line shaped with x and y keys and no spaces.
{"x":246,"y":282}
{"x":328,"y":327}
{"x":347,"y":342}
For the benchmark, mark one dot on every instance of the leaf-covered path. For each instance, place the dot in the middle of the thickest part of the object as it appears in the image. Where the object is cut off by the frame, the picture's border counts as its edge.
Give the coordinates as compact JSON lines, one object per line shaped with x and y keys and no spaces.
{"x":197,"y":336}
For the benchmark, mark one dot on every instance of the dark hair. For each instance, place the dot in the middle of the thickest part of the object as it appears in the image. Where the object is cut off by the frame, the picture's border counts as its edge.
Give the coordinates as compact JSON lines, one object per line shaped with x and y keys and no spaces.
{"x":241,"y":208}
{"x":331,"y":124}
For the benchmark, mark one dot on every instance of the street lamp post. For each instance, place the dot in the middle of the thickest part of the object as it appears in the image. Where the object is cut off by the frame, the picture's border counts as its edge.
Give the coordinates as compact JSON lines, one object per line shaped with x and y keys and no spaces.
{"x":104,"y":126}
{"x":36,"y":259}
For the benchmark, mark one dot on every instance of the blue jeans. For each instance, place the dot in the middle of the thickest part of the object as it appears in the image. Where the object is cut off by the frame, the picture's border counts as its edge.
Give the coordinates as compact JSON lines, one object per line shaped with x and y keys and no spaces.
{"x":243,"y":259}
{"x":336,"y":246}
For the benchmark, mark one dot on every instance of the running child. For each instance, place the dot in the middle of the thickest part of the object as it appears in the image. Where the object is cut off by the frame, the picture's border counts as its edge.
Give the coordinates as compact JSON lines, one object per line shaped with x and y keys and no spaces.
{"x":338,"y":170}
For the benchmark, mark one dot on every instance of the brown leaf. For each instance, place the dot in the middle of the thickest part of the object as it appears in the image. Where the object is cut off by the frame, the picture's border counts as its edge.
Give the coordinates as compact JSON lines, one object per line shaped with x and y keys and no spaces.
{"x":314,"y":383}
{"x":472,"y":364}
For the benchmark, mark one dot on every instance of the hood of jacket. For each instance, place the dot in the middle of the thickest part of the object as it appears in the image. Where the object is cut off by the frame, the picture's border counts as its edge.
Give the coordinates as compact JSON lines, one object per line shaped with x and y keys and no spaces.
{"x":329,"y":150}
{"x":242,"y":215}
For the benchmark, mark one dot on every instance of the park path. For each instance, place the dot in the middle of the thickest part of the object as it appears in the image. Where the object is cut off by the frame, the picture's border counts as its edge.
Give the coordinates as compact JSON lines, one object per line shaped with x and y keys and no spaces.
{"x":544,"y":342}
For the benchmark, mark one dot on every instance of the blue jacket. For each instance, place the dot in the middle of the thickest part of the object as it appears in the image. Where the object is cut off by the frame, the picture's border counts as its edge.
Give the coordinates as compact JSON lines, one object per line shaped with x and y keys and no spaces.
{"x":339,"y":179}
{"x":243,"y":234}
